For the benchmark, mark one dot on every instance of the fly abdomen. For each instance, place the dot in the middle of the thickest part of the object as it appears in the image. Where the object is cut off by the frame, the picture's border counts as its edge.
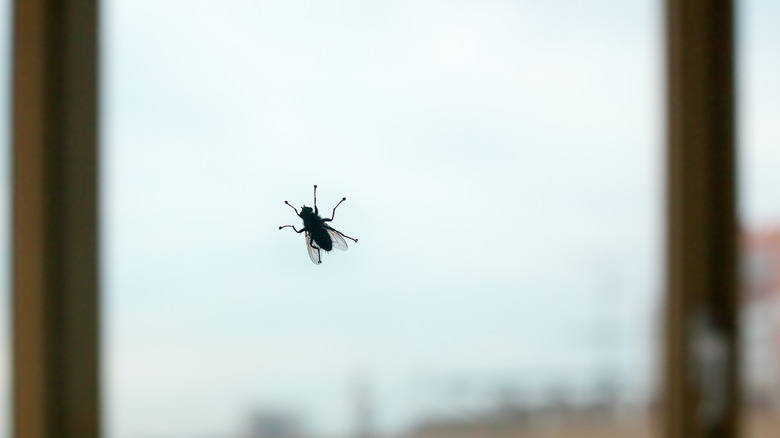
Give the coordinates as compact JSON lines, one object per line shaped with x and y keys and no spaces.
{"x":322,"y":239}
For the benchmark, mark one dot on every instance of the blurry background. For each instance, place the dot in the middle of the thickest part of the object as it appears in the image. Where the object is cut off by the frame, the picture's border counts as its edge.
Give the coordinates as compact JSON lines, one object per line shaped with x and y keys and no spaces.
{"x":503,"y":164}
{"x":758,"y":110}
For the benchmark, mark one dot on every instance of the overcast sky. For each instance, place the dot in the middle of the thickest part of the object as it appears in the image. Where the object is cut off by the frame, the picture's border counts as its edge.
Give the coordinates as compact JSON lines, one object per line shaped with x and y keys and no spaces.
{"x":500,"y":161}
{"x":502,"y":167}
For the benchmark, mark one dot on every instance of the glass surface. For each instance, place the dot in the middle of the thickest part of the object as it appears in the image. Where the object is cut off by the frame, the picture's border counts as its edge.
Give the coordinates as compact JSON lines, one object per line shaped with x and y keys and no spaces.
{"x":5,"y":218}
{"x":501,"y":164}
{"x":759,"y":136}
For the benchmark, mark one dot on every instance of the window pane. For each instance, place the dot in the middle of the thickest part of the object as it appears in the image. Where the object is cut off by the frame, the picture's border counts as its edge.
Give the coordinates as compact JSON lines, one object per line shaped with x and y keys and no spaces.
{"x":5,"y":218}
{"x":759,"y":119}
{"x":501,"y":166}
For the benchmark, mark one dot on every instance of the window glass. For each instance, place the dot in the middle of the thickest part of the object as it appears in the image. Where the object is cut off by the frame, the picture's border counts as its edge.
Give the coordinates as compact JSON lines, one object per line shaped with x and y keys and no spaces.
{"x":758,"y":137}
{"x":5,"y":218}
{"x":501,"y":164}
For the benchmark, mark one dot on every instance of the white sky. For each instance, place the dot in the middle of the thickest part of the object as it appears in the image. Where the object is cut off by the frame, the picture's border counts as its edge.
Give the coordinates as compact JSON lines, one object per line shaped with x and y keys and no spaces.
{"x":501,"y":161}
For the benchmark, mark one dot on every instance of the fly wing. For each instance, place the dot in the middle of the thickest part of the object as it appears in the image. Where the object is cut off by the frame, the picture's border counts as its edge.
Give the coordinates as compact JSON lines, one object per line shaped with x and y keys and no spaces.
{"x":335,"y":237}
{"x":313,"y":250}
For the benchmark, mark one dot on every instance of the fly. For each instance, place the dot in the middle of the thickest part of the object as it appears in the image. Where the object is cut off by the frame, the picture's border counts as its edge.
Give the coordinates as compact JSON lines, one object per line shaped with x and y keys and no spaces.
{"x":320,"y":236}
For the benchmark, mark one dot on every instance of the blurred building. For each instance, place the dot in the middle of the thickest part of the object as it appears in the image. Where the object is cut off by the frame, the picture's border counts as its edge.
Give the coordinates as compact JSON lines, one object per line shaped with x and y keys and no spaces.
{"x":363,"y":408}
{"x":275,"y":424}
{"x":761,"y":317}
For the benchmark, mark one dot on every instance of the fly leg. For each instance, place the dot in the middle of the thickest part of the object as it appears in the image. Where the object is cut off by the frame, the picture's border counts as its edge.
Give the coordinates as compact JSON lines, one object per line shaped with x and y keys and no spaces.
{"x":290,"y":205}
{"x":293,"y":227}
{"x":316,"y":210}
{"x":344,"y":235}
{"x":314,"y":246}
{"x":334,"y":212}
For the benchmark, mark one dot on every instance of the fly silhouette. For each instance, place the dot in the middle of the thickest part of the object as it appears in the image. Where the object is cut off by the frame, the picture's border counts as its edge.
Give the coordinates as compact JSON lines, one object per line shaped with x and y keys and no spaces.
{"x":320,"y":236}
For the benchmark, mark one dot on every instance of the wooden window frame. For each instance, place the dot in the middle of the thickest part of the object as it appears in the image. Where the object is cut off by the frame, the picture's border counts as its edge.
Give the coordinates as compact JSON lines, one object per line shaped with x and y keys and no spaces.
{"x":55,"y":213}
{"x":701,"y":354}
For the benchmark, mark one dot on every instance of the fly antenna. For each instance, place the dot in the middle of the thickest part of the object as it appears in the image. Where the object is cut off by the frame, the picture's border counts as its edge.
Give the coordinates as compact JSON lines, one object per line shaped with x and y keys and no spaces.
{"x":290,"y":205}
